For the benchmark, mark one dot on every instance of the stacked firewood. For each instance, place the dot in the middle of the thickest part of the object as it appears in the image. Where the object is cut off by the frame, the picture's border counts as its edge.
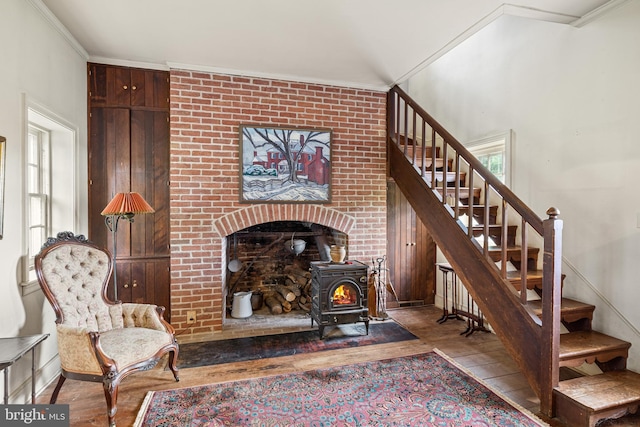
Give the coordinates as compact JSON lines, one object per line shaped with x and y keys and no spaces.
{"x":293,"y":291}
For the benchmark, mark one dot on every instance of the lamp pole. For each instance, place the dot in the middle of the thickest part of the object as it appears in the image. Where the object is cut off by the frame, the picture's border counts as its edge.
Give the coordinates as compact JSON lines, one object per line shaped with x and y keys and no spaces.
{"x":111,"y":222}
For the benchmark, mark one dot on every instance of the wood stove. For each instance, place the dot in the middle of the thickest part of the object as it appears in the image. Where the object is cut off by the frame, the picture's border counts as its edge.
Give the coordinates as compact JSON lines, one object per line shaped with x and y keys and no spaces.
{"x":339,"y":294}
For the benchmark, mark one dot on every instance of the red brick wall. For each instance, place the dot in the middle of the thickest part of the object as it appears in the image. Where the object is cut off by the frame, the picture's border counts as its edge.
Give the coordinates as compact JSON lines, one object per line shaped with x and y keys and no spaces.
{"x":206,"y":110}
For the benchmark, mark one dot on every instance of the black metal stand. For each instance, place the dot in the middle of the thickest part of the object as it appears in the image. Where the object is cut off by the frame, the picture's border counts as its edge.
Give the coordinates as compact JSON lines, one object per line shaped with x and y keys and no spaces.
{"x":472,"y":314}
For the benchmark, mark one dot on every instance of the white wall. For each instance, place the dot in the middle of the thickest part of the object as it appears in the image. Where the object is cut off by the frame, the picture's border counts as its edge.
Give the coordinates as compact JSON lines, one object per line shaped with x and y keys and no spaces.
{"x":38,"y":65}
{"x":572,"y":97}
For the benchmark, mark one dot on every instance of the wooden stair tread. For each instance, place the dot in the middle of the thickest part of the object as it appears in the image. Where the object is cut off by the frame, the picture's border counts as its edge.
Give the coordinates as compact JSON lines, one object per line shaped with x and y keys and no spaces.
{"x":575,"y":315}
{"x":514,"y":254}
{"x":603,"y":391}
{"x":568,"y":307}
{"x":534,"y":279}
{"x":589,"y":346}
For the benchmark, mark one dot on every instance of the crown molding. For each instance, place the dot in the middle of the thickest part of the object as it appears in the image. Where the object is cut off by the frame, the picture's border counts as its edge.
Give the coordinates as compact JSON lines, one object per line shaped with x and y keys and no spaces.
{"x":57,"y":25}
{"x":597,"y":13}
{"x":276,"y":76}
{"x":127,"y":63}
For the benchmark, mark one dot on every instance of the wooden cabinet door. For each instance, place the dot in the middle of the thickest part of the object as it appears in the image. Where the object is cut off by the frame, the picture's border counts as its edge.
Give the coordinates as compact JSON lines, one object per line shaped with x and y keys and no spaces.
{"x":149,"y":88}
{"x":150,"y":177}
{"x":411,"y":252}
{"x":109,"y":85}
{"x":122,"y":86}
{"x":109,"y":169}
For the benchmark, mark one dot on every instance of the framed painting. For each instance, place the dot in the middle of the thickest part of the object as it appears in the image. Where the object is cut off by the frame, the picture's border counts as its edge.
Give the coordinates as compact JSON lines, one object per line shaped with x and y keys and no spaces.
{"x":285,"y":165}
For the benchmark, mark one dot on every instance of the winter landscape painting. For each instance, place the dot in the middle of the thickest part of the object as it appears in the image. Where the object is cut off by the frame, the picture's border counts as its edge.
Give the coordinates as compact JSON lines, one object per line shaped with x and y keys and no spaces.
{"x":285,"y":165}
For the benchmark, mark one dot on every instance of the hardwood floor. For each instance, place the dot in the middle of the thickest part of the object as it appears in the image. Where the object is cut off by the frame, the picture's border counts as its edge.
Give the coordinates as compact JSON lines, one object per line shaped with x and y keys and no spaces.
{"x":481,"y":353}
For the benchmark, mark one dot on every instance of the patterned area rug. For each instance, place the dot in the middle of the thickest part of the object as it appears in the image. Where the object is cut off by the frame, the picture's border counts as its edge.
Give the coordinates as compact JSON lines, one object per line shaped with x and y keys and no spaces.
{"x":262,"y":347}
{"x":421,"y":390}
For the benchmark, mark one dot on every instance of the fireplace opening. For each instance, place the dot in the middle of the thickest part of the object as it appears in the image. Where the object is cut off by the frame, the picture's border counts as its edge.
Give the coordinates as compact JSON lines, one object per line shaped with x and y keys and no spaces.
{"x":272,"y":261}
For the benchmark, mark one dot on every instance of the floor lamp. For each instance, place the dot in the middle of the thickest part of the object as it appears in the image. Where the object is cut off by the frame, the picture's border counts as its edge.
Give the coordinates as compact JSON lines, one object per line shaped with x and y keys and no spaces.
{"x":123,"y":206}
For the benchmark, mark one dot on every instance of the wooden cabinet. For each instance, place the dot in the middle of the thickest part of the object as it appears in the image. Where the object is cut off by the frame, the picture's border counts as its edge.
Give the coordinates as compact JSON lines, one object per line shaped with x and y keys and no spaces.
{"x":411,"y":252}
{"x":123,"y":86}
{"x":139,"y":280}
{"x":129,"y":151}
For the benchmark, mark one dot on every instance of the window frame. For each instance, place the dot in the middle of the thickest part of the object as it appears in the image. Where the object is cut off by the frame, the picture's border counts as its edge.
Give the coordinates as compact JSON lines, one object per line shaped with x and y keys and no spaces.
{"x":487,"y":144}
{"x":62,"y":172}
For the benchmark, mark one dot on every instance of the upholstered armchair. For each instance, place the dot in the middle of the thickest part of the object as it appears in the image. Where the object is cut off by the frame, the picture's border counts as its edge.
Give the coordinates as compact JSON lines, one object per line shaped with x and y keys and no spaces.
{"x":98,"y":340}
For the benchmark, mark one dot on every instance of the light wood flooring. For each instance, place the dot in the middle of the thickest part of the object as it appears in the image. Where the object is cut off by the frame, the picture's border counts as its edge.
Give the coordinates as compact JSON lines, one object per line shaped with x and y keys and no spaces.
{"x":480,"y":353}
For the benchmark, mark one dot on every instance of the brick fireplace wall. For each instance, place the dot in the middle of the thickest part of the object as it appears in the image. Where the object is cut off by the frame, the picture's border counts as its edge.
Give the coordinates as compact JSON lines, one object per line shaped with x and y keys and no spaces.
{"x":206,"y":110}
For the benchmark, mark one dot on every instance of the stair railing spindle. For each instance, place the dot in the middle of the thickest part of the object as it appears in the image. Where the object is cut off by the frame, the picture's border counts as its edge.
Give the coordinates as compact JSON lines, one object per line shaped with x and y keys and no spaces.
{"x":433,"y":158}
{"x":406,"y":127}
{"x":524,"y":261}
{"x":470,"y":201}
{"x":457,"y":187}
{"x":504,"y":237}
{"x":445,"y":170}
{"x":423,"y":157}
{"x":415,"y":140}
{"x":485,"y":228}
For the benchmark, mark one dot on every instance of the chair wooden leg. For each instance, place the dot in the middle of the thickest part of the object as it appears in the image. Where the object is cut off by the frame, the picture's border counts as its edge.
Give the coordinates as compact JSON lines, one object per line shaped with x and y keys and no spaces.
{"x":111,"y":395}
{"x":173,"y":360}
{"x":56,"y":390}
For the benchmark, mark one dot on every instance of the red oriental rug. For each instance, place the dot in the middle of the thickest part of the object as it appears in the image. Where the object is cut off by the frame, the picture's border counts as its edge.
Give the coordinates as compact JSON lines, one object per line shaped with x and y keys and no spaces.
{"x":421,"y":390}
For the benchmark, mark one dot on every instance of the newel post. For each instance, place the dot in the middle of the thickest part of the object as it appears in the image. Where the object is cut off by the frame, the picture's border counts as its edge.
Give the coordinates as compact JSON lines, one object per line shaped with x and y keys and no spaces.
{"x":551,"y":296}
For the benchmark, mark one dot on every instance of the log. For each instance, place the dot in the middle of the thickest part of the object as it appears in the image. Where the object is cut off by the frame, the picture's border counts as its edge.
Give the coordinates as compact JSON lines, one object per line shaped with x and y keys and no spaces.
{"x":274,"y":305}
{"x":286,"y":305}
{"x":294,"y":288}
{"x":285,"y":292}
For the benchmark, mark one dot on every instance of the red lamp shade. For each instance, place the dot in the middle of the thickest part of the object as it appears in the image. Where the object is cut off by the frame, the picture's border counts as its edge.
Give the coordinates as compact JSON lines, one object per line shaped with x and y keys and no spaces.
{"x":127,"y":203}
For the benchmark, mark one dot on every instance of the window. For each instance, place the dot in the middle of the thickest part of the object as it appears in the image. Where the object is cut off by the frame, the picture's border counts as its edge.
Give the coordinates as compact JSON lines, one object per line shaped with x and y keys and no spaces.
{"x":38,"y":190}
{"x":50,"y":180}
{"x":495,"y":154}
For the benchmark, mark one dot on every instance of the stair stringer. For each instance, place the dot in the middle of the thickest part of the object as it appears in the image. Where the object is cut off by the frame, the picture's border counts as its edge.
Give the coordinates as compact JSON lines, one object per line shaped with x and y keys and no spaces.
{"x":518,"y":329}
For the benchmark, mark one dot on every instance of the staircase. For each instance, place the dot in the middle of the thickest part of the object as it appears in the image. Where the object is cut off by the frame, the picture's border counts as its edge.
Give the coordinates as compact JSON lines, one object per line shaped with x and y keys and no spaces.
{"x":476,"y":221}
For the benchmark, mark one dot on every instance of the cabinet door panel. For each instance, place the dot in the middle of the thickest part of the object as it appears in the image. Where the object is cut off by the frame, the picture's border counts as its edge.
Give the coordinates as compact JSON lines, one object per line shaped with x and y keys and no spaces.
{"x":149,"y":88}
{"x":150,"y":178}
{"x":109,"y":85}
{"x":411,"y":252}
{"x":123,"y":269}
{"x":109,"y":169}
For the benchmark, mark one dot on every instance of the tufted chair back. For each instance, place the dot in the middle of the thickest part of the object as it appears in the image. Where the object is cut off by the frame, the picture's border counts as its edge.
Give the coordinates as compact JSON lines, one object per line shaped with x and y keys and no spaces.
{"x":77,"y":275}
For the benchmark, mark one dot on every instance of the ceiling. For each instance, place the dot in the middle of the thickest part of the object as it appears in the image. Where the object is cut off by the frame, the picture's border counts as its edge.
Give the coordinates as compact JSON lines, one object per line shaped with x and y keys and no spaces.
{"x":358,"y":43}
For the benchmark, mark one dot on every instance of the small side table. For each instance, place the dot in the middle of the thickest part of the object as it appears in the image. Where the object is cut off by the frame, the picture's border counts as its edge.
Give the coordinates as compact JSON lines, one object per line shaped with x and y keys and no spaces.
{"x":11,"y":350}
{"x":446,"y":314}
